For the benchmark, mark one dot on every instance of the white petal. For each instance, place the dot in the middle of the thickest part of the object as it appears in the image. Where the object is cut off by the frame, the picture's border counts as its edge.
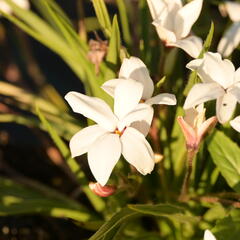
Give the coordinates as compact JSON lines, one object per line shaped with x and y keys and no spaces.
{"x":22,"y":3}
{"x":135,"y":69}
{"x":163,"y":98}
{"x":235,"y":91}
{"x":164,"y":34}
{"x":5,"y":7}
{"x":156,"y":7}
{"x":186,"y":17}
{"x":235,"y":123}
{"x":225,"y":107}
{"x":230,"y":40}
{"x":208,"y":235}
{"x":137,"y":151}
{"x":220,"y":71}
{"x":82,"y":140}
{"x":127,"y":95}
{"x":93,"y":108}
{"x":202,"y":92}
{"x":233,"y":9}
{"x":103,"y":156}
{"x":140,"y":118}
{"x":110,"y":85}
{"x":191,"y":45}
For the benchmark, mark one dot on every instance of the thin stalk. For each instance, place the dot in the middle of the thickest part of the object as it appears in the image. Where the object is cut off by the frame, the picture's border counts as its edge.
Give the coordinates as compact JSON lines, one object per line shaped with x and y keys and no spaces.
{"x":185,"y":187}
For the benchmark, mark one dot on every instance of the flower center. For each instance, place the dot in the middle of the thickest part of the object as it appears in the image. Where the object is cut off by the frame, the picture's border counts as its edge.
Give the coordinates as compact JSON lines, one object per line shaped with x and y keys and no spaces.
{"x":120,"y":133}
{"x":142,"y":101}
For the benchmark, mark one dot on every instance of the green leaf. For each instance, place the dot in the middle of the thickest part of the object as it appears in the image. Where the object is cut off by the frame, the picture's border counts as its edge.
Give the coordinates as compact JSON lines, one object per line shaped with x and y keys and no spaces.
{"x":114,"y":223}
{"x":124,"y":21}
{"x":228,"y":228}
{"x":208,"y":41}
{"x":97,"y":202}
{"x":19,"y":199}
{"x":102,"y":16}
{"x":225,"y":154}
{"x":164,"y":210}
{"x":193,"y":78}
{"x":112,"y":58}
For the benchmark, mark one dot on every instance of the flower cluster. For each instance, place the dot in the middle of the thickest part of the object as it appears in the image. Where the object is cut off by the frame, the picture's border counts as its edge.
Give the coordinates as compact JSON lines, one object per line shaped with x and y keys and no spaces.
{"x":122,"y":132}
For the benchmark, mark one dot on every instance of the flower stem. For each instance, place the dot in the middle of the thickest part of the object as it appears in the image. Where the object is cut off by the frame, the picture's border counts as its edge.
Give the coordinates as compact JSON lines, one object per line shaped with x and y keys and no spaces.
{"x":185,"y":187}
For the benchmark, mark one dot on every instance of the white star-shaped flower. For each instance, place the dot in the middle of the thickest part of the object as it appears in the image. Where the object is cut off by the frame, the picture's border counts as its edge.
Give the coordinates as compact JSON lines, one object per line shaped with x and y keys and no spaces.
{"x":208,"y":235}
{"x":231,"y":37}
{"x":135,"y":71}
{"x":173,"y":23}
{"x":7,"y":9}
{"x":112,"y":135}
{"x":220,"y":81}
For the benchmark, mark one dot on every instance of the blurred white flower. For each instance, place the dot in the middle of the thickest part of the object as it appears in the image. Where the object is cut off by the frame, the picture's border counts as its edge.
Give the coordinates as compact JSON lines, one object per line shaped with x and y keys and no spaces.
{"x":235,"y":123}
{"x":7,"y":9}
{"x":173,"y":23}
{"x":208,"y":235}
{"x":220,"y":81}
{"x":194,"y":126}
{"x":111,"y":136}
{"x":134,"y":70}
{"x":231,"y":37}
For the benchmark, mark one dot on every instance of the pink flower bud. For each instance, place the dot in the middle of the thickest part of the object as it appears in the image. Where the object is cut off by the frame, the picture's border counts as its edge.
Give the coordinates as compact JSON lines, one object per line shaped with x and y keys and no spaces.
{"x":102,"y":191}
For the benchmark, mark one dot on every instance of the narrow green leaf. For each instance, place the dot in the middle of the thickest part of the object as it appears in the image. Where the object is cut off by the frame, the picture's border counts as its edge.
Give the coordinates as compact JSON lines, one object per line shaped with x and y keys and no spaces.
{"x":124,"y":21}
{"x":113,"y":56}
{"x":114,"y":223}
{"x":97,"y":202}
{"x":208,"y":41}
{"x":19,"y":199}
{"x":164,"y":210}
{"x":225,"y":154}
{"x":102,"y":16}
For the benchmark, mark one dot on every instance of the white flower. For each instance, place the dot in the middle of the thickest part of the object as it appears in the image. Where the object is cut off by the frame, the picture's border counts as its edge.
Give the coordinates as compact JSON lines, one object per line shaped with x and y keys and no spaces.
{"x":220,"y":81}
{"x":173,"y":23}
{"x":134,"y":70}
{"x":7,"y":9}
{"x":231,"y":37}
{"x":208,"y":235}
{"x":111,"y":136}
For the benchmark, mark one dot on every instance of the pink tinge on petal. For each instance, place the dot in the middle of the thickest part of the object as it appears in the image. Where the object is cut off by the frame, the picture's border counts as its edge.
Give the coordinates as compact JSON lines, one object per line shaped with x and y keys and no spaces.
{"x":102,"y":191}
{"x":189,"y":134}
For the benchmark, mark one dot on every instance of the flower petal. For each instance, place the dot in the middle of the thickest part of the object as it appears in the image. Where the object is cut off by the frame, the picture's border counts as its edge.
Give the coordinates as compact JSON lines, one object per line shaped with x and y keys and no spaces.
{"x":163,"y":98}
{"x":93,"y":108}
{"x":235,"y":91}
{"x":82,"y":140}
{"x":166,"y":35}
{"x":233,"y":9}
{"x":220,"y":71}
{"x":140,"y":118}
{"x":127,"y":95}
{"x":156,"y":7}
{"x":230,"y":40}
{"x":225,"y":107}
{"x":186,"y":17}
{"x":202,"y":92}
{"x":192,"y":45}
{"x":110,"y":85}
{"x":208,"y":235}
{"x":103,"y":156}
{"x":137,"y":151}
{"x":205,"y":127}
{"x":135,"y":69}
{"x":235,"y":123}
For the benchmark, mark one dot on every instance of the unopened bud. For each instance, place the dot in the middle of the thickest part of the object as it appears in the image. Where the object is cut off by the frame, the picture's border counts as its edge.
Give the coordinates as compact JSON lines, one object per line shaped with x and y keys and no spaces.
{"x":102,"y":191}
